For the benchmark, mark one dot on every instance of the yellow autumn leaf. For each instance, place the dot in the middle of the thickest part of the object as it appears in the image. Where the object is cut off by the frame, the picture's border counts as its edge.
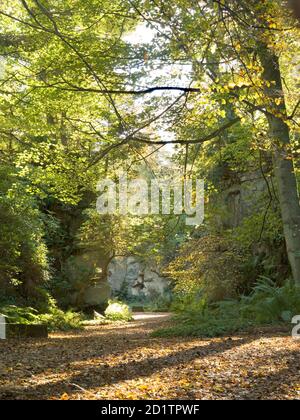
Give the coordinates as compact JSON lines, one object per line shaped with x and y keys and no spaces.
{"x":218,"y":388}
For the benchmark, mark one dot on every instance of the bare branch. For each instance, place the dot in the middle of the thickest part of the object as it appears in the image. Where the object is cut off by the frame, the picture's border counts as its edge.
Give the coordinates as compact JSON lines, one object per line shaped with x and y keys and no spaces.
{"x":210,"y":136}
{"x":132,"y":136}
{"x":145,"y":91}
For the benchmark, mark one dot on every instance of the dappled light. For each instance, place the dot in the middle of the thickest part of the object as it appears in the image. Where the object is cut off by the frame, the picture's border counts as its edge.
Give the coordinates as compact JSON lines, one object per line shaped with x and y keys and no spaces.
{"x":125,"y":363}
{"x":149,"y":202}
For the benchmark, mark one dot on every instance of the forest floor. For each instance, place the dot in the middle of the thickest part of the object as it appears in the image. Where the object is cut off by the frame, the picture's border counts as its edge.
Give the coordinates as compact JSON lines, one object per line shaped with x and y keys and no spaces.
{"x":125,"y":362}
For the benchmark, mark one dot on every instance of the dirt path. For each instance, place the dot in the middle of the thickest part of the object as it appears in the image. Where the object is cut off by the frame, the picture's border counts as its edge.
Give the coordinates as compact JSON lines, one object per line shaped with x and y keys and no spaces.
{"x":124,"y":362}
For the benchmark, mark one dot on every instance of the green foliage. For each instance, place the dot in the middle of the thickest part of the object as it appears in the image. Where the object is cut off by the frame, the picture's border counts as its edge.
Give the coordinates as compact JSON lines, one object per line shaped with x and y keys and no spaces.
{"x":24,"y":264}
{"x":62,"y":130}
{"x":252,"y":229}
{"x":193,"y":301}
{"x":160,"y":304}
{"x":54,"y":319}
{"x":60,"y":320}
{"x":118,"y":311}
{"x":267,"y":304}
{"x":18,"y":315}
{"x":75,"y":277}
{"x":212,"y":264}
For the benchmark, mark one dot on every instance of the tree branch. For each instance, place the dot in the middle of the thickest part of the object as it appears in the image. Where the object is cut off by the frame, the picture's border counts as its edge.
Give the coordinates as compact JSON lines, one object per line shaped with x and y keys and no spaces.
{"x":291,"y":117}
{"x":131,"y":137}
{"x":75,"y":88}
{"x":210,"y":136}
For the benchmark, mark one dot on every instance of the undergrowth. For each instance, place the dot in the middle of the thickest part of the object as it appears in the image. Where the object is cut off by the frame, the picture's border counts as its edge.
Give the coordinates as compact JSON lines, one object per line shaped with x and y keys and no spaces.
{"x":118,"y":311}
{"x":54,"y":319}
{"x":267,"y":305}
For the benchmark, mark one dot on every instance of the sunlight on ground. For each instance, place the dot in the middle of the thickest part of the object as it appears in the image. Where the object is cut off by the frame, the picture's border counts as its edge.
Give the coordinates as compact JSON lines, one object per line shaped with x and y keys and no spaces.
{"x":125,"y":362}
{"x":141,"y":316}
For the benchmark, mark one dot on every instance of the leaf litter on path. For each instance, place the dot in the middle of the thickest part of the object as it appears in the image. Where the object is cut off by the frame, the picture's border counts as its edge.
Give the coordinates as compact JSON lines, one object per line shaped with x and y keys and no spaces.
{"x":124,"y":362}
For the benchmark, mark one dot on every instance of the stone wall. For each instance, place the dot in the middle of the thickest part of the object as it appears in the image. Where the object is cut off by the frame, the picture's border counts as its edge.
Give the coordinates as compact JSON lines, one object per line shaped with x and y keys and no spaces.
{"x":135,"y":279}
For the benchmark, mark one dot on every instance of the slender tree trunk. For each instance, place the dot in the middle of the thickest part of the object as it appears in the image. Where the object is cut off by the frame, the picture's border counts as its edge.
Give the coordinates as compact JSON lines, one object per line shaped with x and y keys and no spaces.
{"x":282,"y":161}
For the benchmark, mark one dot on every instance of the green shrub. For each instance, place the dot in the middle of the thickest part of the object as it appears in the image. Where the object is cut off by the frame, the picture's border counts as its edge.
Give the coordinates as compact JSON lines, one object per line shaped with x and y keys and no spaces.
{"x":18,"y":315}
{"x":24,"y":260}
{"x":118,"y":311}
{"x":212,"y":264}
{"x":55,"y":319}
{"x":267,"y":304}
{"x":193,"y":301}
{"x":160,"y":304}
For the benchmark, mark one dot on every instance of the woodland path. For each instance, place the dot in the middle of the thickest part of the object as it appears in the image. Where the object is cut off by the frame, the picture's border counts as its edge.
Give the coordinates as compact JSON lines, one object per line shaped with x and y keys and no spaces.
{"x":125,"y":362}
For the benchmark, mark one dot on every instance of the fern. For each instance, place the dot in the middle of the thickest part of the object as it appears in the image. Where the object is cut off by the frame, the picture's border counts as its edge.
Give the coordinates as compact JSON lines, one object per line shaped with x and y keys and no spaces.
{"x":267,"y":304}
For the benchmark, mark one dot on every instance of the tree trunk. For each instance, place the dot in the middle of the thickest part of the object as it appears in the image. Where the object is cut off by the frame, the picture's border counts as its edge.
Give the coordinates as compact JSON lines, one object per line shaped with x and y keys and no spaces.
{"x":282,"y":161}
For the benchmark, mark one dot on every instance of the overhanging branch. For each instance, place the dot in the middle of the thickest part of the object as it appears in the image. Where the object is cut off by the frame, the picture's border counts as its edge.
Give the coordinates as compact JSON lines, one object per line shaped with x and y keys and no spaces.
{"x":132,"y":137}
{"x":74,"y":88}
{"x":210,"y":136}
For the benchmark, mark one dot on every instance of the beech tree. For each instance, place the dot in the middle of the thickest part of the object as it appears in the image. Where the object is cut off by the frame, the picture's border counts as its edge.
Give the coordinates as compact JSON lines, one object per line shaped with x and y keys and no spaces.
{"x":62,"y":57}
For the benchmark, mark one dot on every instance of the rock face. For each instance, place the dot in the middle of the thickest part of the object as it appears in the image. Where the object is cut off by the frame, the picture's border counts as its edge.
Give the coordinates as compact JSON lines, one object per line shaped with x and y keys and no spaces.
{"x":90,"y":287}
{"x":241,"y":200}
{"x":97,"y":295}
{"x":133,"y":278}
